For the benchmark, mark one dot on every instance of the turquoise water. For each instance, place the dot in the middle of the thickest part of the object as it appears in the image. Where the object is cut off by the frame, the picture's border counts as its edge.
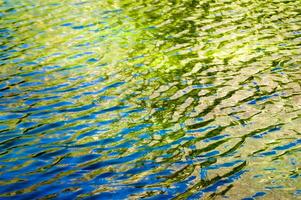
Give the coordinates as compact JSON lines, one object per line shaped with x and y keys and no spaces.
{"x":150,"y":99}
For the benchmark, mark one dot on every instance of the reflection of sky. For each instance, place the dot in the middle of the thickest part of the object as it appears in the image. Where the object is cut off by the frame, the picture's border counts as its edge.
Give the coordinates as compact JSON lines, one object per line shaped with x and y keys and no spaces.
{"x":149,"y":99}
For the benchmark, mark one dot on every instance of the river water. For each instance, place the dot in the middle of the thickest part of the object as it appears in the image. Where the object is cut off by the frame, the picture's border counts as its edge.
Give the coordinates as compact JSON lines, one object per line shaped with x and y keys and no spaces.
{"x":150,"y":99}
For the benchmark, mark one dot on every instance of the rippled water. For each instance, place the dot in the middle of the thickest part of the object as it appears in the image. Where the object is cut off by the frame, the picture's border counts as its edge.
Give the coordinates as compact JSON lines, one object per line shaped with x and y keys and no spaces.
{"x":150,"y":99}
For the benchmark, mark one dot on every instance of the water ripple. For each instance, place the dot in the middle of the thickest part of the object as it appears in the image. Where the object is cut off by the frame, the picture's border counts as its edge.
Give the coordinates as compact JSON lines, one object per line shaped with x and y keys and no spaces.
{"x":150,"y":99}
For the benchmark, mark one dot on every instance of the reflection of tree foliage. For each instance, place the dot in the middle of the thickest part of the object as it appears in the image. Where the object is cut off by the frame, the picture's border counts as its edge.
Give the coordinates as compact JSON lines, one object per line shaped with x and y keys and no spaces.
{"x":171,"y":97}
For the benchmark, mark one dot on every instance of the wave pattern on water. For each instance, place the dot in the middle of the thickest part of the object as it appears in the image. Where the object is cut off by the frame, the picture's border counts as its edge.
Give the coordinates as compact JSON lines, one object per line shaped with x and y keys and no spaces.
{"x":150,"y":99}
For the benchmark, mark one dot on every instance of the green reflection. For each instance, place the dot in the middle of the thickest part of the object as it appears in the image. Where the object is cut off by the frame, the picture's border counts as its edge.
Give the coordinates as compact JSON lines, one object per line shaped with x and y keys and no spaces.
{"x":185,"y":85}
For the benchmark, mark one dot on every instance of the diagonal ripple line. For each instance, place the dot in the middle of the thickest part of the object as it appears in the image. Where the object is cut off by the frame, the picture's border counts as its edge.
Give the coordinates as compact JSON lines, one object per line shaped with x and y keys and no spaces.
{"x":149,"y":99}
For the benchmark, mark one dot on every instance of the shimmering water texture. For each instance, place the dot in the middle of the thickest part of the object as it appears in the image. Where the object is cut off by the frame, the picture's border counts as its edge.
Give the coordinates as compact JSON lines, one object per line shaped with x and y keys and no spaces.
{"x":150,"y":99}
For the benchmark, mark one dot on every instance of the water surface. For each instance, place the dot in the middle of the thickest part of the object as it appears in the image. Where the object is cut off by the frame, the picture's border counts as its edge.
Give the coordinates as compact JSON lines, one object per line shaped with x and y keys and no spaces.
{"x":150,"y":99}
